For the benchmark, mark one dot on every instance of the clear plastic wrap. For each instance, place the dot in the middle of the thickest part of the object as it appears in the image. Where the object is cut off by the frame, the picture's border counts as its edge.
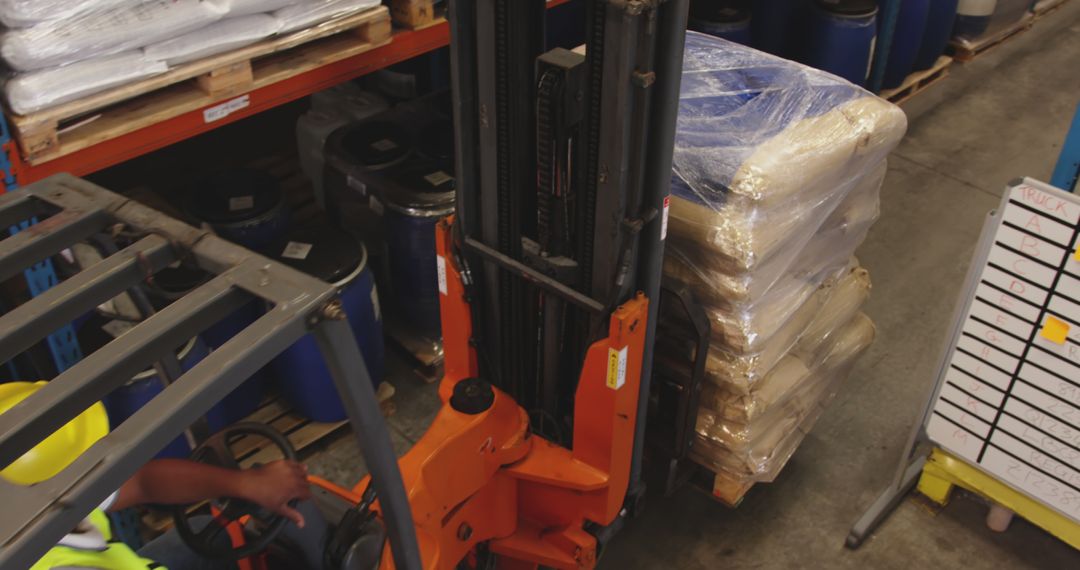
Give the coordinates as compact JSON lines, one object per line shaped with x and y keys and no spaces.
{"x":30,"y":92}
{"x":216,"y":38}
{"x":832,"y":305}
{"x":808,"y":252}
{"x":103,"y":32}
{"x":309,"y":14}
{"x":249,"y":7}
{"x":27,"y":13}
{"x":758,"y":449}
{"x":767,"y":148}
{"x":744,"y":314}
{"x":732,"y":402}
{"x":743,"y":248}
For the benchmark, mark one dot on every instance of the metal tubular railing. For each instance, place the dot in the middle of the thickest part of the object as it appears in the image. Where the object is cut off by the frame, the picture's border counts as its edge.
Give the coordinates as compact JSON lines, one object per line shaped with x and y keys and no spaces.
{"x":39,"y":515}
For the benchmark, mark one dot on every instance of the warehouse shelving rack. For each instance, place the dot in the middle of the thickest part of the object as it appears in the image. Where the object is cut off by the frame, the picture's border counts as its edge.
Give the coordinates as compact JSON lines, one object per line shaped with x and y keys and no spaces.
{"x":404,"y":45}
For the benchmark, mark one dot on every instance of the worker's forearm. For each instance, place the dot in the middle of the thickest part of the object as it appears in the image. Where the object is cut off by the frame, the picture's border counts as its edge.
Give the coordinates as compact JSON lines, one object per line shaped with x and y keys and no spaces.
{"x":178,"y":482}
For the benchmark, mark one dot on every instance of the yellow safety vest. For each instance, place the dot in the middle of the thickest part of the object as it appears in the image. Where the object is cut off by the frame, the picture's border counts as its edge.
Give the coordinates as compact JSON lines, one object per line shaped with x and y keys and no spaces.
{"x":115,"y":556}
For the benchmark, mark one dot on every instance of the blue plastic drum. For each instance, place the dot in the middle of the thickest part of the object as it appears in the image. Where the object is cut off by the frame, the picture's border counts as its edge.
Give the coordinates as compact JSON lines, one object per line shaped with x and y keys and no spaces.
{"x":777,"y":26}
{"x":246,"y":207}
{"x":907,"y":41}
{"x":123,"y":402}
{"x":722,"y":19}
{"x":422,"y":195}
{"x":841,"y":38}
{"x":335,"y":256}
{"x":939,"y":25}
{"x":174,"y":282}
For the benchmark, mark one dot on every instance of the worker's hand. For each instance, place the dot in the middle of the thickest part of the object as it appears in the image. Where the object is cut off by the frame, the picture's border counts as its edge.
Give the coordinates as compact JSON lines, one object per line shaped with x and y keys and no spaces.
{"x":273,"y":485}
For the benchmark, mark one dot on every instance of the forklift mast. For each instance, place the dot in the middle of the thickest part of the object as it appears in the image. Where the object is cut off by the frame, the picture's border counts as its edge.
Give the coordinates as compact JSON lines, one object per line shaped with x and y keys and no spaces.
{"x":563,"y":176}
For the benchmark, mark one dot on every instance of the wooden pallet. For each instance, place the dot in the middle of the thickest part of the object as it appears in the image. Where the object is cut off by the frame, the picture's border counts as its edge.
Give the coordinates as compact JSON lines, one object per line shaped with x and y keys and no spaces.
{"x":73,"y":126}
{"x":729,"y":491}
{"x":919,"y":81}
{"x":416,"y":14}
{"x":428,"y":354}
{"x":967,"y":51}
{"x":302,"y":433}
{"x":720,"y":486}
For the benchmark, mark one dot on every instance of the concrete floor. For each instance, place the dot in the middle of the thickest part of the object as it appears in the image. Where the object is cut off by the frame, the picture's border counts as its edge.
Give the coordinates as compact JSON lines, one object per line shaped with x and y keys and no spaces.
{"x":1002,"y":116}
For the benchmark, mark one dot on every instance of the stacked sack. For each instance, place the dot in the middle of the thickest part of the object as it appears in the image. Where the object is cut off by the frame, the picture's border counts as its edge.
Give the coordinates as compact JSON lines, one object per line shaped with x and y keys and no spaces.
{"x":777,"y":170}
{"x":61,"y":50}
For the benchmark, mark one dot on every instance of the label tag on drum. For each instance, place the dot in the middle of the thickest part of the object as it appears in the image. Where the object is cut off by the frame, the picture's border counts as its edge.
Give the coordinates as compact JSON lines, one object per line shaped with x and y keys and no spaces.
{"x":375,"y":302}
{"x":664,"y":218}
{"x":296,"y":250}
{"x":376,"y":205}
{"x":241,"y":203}
{"x":117,"y":328}
{"x":356,"y":185}
{"x":438,"y":178}
{"x":616,"y":371}
{"x":440,"y":263}
{"x":383,"y":145}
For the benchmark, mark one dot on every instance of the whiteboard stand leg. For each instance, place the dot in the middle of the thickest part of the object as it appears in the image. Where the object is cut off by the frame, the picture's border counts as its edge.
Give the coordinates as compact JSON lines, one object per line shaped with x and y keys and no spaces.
{"x":884,"y":505}
{"x":999,"y":518}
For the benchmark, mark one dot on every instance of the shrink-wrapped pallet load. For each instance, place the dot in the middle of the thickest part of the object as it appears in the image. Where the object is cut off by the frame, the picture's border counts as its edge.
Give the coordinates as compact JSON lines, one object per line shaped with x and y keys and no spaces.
{"x":776,"y":179}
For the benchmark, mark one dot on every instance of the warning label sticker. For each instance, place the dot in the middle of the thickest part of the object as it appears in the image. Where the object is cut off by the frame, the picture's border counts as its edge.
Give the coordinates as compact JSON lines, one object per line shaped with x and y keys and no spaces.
{"x":441,"y":266}
{"x":616,"y":372}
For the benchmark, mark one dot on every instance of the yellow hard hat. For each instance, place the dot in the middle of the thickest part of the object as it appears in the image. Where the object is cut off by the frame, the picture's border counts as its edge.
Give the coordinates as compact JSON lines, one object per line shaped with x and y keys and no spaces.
{"x":58,"y":450}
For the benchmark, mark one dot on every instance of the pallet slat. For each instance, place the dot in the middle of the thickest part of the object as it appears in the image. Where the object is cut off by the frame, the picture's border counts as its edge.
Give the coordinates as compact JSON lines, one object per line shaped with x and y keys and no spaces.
{"x":143,"y":103}
{"x":919,"y":81}
{"x":965,"y":52}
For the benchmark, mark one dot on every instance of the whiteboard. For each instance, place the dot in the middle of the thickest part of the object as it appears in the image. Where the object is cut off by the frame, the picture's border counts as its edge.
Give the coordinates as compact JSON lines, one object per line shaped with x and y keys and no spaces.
{"x":1008,"y":394}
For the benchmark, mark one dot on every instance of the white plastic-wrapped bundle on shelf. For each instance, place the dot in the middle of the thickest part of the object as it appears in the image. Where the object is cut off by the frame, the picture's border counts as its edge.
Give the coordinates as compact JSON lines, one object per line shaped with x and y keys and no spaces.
{"x":832,"y":305}
{"x":757,"y":450}
{"x":103,"y":32}
{"x":26,"y":13}
{"x":216,"y":38}
{"x":30,"y":92}
{"x":249,"y":7}
{"x":312,"y":13}
{"x":764,"y":145}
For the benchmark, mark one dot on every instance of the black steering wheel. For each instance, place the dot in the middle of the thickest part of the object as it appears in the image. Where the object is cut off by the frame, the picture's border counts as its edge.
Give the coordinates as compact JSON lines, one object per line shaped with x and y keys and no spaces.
{"x":207,"y":542}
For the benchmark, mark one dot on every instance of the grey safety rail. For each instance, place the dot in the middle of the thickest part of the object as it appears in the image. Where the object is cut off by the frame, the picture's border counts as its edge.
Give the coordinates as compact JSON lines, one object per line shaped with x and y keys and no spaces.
{"x":72,"y":210}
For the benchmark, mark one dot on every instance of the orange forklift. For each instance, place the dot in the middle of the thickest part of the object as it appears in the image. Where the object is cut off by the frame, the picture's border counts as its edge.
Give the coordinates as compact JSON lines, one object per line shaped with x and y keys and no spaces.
{"x":549,"y":274}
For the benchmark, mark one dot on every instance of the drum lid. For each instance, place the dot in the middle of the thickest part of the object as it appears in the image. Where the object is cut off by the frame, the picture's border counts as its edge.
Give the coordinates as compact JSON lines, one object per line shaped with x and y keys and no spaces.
{"x":234,"y":196}
{"x":849,"y":7}
{"x":321,"y":250}
{"x":373,"y":144}
{"x":425,"y":181}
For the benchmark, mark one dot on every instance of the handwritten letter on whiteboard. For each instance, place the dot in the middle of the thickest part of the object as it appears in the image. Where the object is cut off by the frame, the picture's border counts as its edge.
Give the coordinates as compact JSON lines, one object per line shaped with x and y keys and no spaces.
{"x":1009,"y":399}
